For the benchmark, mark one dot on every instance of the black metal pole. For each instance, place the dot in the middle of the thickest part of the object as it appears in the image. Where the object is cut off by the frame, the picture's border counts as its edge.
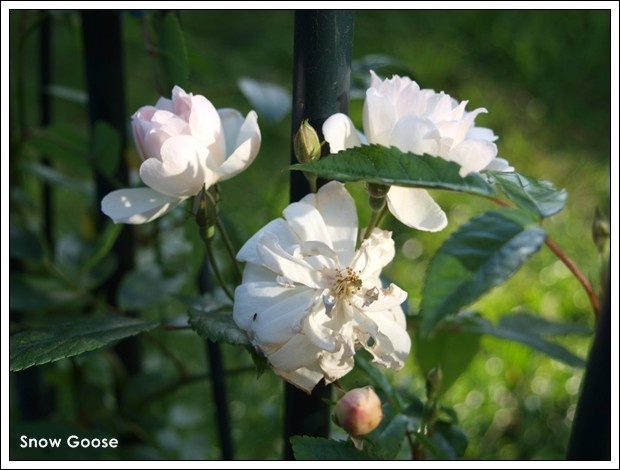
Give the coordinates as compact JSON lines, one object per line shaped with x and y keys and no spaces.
{"x":321,"y":82}
{"x":218,"y":384}
{"x":591,"y":433}
{"x":45,"y":78}
{"x":103,"y":56}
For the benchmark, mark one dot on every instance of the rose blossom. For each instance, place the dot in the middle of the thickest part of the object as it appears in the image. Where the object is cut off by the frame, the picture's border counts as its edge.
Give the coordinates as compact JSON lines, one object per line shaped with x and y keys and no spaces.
{"x":398,"y":113}
{"x":309,"y":299}
{"x":185,"y":145}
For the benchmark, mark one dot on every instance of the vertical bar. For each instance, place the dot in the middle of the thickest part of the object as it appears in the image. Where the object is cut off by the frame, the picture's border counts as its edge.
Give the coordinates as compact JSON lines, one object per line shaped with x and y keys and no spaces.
{"x":218,"y":384}
{"x":322,"y":74}
{"x":103,"y":56}
{"x":45,"y":73}
{"x":591,"y":433}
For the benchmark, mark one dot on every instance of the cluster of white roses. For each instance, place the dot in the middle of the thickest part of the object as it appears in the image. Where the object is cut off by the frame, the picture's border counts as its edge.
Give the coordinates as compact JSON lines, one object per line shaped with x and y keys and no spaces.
{"x":310,"y":296}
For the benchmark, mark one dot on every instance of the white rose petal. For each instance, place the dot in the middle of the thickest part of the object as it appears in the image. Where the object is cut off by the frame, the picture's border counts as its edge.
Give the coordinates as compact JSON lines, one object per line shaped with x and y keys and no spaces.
{"x":398,"y":113}
{"x":186,"y":145}
{"x":309,"y":299}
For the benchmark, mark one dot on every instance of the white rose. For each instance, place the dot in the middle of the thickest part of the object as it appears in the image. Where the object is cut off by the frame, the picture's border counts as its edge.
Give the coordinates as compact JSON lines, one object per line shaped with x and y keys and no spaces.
{"x":398,"y":113}
{"x":309,"y":299}
{"x":186,"y":145}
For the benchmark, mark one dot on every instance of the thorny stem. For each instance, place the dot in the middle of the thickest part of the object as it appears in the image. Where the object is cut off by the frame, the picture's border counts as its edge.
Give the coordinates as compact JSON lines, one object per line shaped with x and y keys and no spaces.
{"x":577,"y":273}
{"x":572,"y":267}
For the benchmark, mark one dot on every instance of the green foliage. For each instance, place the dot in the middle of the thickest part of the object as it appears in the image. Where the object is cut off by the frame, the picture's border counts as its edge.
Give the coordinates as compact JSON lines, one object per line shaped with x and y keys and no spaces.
{"x":218,"y":325}
{"x":104,"y":244}
{"x":106,"y":150}
{"x":24,"y":244}
{"x":58,"y":341}
{"x":173,"y":51}
{"x":386,"y":441}
{"x":146,"y":286}
{"x":536,"y":196}
{"x":516,"y":68}
{"x":61,"y":143}
{"x":318,"y":448}
{"x":477,"y":257}
{"x":531,"y":331}
{"x":450,"y":349}
{"x":378,"y":164}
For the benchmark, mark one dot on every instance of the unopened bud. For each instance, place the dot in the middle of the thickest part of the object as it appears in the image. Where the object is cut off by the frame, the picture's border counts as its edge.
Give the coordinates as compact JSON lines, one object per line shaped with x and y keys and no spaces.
{"x":359,"y":411}
{"x":306,"y":143}
{"x":600,"y":230}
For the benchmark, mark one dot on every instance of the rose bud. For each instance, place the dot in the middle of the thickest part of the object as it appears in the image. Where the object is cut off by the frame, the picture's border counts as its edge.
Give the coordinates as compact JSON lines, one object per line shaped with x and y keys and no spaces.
{"x":359,"y":411}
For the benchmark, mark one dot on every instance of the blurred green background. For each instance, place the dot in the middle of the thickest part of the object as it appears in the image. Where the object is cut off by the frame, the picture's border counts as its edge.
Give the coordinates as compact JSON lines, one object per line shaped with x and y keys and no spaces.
{"x":544,"y":77}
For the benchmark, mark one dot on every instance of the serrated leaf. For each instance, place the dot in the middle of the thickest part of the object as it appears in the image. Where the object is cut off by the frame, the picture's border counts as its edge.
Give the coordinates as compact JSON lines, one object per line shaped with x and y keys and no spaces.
{"x":218,"y":326}
{"x":387,"y":442}
{"x":173,"y":51}
{"x":389,"y":165}
{"x":537,"y":196}
{"x":480,"y":255}
{"x":319,"y":448}
{"x":106,"y":151}
{"x":272,"y":102}
{"x":59,"y":341}
{"x":521,"y":328}
{"x":452,"y":351}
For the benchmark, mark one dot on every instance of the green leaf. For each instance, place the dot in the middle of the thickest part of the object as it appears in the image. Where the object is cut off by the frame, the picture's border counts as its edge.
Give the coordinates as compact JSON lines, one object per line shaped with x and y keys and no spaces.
{"x":25,"y":244}
{"x":480,"y":255}
{"x":389,"y":165}
{"x":449,"y":439}
{"x":34,"y":292}
{"x":106,"y":149}
{"x":216,"y":324}
{"x":173,"y":51}
{"x":528,"y":330}
{"x":104,"y":244}
{"x":319,"y":448}
{"x":537,"y":196}
{"x":379,"y":380}
{"x":388,"y":440}
{"x":451,"y":350}
{"x":146,"y":286}
{"x":58,"y":341}
{"x":73,"y":95}
{"x":61,"y":143}
{"x":59,"y":179}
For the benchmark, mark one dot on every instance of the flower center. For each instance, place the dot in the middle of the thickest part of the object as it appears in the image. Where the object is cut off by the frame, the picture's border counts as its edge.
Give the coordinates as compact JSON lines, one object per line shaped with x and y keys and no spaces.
{"x":346,"y":283}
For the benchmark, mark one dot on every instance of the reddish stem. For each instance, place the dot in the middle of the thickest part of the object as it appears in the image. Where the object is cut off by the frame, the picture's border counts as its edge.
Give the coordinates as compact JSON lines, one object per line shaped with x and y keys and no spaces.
{"x":569,"y":264}
{"x":577,"y":273}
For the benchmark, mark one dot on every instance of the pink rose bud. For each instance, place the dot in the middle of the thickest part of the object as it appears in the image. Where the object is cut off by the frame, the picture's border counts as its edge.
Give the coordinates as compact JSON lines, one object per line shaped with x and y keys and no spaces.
{"x":359,"y":411}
